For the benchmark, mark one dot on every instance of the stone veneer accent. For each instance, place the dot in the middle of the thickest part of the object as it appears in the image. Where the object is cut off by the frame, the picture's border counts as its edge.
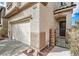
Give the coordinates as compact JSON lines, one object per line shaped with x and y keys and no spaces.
{"x":52,"y":37}
{"x":38,"y":40}
{"x":42,"y":40}
{"x":34,"y":40}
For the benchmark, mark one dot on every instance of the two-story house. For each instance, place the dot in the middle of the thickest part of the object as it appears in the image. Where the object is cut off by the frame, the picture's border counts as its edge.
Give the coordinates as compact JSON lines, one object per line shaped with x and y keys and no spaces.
{"x":39,"y":24}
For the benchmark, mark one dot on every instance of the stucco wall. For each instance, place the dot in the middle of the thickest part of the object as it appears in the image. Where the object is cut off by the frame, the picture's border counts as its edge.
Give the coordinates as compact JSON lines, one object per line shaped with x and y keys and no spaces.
{"x":57,"y":5}
{"x":68,"y":19}
{"x":34,"y":24}
{"x":53,"y":5}
{"x":44,"y":26}
{"x":47,"y":22}
{"x":35,"y":27}
{"x":5,"y":25}
{"x":42,"y":20}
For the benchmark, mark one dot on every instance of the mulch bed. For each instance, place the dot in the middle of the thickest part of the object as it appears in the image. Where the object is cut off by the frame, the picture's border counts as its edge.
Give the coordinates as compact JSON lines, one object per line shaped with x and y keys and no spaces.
{"x":43,"y":52}
{"x":28,"y":54}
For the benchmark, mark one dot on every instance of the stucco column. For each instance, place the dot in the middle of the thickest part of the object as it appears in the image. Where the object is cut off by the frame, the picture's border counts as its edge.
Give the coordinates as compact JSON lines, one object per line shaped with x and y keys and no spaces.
{"x":42,"y":22}
{"x":68,"y":27}
{"x":35,"y":27}
{"x":9,"y":30}
{"x":68,"y":20}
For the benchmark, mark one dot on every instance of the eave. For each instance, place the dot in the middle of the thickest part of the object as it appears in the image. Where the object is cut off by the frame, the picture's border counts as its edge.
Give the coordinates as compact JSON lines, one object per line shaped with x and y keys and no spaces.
{"x":17,"y":10}
{"x":64,"y":9}
{"x":61,"y":13}
{"x":14,"y":11}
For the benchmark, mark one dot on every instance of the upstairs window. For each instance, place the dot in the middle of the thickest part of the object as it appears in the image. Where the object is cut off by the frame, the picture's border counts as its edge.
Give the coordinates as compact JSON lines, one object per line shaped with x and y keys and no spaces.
{"x":18,"y":4}
{"x":0,"y":20}
{"x":1,"y":2}
{"x":9,"y":5}
{"x":63,"y":4}
{"x":73,"y":3}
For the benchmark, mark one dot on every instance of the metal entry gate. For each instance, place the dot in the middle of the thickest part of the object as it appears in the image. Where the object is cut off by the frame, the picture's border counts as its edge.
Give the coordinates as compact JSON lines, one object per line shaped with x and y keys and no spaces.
{"x":61,"y":35}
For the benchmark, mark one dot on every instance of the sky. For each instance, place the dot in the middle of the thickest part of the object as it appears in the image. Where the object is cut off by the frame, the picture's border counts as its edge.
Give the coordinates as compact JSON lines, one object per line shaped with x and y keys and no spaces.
{"x":75,"y":14}
{"x":2,"y":4}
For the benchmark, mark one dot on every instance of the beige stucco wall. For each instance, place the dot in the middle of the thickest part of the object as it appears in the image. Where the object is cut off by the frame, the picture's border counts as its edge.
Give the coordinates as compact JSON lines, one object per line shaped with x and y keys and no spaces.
{"x":42,"y":20}
{"x":57,"y":5}
{"x":34,"y":24}
{"x":53,"y":5}
{"x":44,"y":26}
{"x":67,"y":15}
{"x":47,"y":22}
{"x":68,"y":19}
{"x":35,"y":27}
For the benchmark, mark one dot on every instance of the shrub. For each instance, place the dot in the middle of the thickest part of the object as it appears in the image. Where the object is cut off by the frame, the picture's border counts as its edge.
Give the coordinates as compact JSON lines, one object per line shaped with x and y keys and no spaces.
{"x":3,"y":32}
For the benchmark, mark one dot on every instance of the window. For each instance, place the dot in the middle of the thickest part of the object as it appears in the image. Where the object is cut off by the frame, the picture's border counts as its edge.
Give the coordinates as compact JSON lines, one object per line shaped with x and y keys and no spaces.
{"x":18,"y":4}
{"x":72,"y":3}
{"x":0,"y":17}
{"x":9,"y":5}
{"x":0,"y":20}
{"x":63,"y":4}
{"x":44,"y":3}
{"x":62,"y":25}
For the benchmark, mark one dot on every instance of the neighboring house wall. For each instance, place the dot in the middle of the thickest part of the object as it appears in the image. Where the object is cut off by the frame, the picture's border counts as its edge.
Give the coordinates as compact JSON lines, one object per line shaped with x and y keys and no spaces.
{"x":4,"y":22}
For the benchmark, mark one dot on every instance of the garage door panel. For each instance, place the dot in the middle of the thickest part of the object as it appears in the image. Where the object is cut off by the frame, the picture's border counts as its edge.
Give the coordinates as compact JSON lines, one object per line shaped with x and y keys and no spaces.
{"x":21,"y":32}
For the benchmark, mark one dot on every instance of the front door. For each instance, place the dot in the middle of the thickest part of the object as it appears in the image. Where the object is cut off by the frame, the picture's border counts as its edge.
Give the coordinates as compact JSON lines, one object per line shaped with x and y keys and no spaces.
{"x":61,"y":37}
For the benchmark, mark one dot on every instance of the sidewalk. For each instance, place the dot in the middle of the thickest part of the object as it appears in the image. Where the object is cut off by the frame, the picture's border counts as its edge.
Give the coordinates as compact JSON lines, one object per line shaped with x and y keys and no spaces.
{"x":58,"y":51}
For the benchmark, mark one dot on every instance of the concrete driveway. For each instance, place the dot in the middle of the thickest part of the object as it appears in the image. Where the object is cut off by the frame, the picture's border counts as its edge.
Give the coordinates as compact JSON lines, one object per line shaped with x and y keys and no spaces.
{"x":11,"y":47}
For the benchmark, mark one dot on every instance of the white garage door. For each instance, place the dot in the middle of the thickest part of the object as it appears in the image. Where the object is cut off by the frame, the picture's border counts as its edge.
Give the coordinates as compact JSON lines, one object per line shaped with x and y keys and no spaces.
{"x":21,"y":32}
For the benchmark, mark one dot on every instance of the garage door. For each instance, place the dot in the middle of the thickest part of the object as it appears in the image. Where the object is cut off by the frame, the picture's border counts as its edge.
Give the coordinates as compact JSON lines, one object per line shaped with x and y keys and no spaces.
{"x":21,"y":32}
